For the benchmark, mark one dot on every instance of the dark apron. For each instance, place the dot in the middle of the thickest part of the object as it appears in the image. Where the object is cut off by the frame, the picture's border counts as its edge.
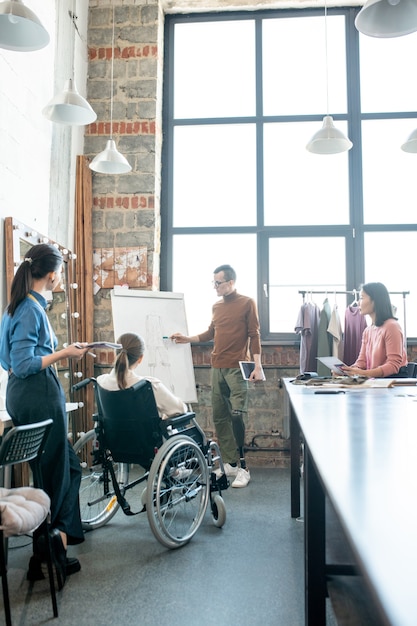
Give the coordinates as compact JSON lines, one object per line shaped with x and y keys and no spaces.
{"x":34,"y":399}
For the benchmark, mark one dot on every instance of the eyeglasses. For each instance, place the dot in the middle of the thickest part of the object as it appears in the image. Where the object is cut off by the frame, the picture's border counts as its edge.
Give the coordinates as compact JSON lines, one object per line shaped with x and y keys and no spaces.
{"x":217,"y":283}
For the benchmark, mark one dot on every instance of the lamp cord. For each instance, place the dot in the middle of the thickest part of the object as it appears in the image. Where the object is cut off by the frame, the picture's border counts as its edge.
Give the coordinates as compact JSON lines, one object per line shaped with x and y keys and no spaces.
{"x":326,"y":57}
{"x":111,"y":79}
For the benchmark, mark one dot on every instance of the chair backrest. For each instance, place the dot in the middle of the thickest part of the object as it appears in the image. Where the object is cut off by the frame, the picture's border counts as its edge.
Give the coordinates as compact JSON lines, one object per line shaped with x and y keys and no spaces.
{"x":412,"y":370}
{"x":25,"y":443}
{"x":130,"y":422}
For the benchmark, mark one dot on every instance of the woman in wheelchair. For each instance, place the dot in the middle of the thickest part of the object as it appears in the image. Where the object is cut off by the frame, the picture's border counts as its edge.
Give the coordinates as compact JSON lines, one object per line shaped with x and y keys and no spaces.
{"x":143,"y":434}
{"x":123,"y":376}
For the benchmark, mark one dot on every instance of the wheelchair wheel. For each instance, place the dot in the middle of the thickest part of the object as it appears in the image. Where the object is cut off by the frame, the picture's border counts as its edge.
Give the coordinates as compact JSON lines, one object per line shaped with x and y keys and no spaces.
{"x":177,"y":491}
{"x":218,"y":511}
{"x":97,"y":508}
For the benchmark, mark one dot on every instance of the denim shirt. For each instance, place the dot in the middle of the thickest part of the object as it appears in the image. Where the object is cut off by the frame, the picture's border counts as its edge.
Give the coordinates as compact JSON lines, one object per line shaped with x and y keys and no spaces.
{"x":26,"y":337}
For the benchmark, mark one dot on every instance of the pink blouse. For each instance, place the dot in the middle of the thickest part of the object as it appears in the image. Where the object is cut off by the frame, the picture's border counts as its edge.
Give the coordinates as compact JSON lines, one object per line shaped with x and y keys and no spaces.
{"x":383,"y":346}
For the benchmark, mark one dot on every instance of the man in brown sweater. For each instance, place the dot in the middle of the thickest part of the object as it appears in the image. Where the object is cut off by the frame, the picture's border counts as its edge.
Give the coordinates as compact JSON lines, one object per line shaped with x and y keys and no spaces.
{"x":235,"y":330}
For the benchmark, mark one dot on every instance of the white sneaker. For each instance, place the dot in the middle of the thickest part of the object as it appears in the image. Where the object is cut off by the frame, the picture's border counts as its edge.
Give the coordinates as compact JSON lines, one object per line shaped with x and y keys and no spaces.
{"x":181,"y":473}
{"x":229,"y":470}
{"x":242,"y":478}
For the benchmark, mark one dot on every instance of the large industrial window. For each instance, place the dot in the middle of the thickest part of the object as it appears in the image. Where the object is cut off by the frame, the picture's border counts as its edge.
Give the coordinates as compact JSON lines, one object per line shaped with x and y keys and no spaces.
{"x":243,"y":94}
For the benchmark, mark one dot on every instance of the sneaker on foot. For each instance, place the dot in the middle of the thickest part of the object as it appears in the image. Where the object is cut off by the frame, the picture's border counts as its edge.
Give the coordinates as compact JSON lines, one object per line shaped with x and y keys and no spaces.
{"x":242,"y":478}
{"x":229,"y":470}
{"x":181,"y":473}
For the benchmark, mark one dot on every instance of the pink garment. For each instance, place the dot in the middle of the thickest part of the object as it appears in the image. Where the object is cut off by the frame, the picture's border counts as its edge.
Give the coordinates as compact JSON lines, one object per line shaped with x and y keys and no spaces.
{"x":355,"y":324}
{"x":383,"y":346}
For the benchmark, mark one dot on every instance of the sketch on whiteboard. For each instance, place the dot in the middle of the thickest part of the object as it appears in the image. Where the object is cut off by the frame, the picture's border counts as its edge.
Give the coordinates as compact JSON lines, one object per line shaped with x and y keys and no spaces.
{"x":156,"y":315}
{"x":158,"y":355}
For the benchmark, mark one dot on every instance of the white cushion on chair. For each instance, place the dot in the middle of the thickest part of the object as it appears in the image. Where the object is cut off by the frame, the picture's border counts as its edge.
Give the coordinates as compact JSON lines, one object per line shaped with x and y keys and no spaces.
{"x":22,"y":509}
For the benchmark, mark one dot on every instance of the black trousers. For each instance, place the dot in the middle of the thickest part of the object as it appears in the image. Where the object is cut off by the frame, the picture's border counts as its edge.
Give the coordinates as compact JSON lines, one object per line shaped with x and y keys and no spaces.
{"x":34,"y":399}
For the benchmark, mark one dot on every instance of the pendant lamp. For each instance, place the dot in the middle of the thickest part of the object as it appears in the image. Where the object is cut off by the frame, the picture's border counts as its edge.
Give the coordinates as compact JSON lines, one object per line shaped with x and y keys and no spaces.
{"x":68,"y":107}
{"x":329,"y":139}
{"x":20,"y":29}
{"x":110,"y":160}
{"x":411,"y":144}
{"x":387,"y":18}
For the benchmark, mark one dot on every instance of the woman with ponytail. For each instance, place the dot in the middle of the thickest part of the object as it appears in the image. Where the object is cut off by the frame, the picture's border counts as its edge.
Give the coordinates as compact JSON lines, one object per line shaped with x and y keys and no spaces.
{"x":34,"y":393}
{"x":123,"y":376}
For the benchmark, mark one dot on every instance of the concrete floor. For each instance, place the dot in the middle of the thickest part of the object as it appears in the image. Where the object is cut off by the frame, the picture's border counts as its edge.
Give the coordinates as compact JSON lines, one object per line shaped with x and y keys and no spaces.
{"x":249,"y":573}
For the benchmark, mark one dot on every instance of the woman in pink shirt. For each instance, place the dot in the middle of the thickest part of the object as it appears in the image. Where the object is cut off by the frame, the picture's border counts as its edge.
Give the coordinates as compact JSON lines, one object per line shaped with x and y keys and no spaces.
{"x":383,"y":353}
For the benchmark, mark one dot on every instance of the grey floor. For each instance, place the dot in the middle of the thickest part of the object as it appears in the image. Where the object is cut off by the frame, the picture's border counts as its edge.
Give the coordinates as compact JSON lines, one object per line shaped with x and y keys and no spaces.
{"x":249,"y":573}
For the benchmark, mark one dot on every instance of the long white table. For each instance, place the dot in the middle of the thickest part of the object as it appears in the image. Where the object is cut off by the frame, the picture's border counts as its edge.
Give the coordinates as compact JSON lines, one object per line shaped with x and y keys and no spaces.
{"x":359,"y":451}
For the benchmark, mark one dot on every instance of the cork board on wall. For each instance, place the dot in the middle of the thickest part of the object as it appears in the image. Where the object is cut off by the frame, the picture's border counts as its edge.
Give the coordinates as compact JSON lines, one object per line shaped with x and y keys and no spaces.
{"x":156,"y":315}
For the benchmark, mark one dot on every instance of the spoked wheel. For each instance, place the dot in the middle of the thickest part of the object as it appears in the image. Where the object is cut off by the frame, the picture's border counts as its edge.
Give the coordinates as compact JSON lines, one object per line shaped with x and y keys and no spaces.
{"x":97,"y":507}
{"x":177,"y":491}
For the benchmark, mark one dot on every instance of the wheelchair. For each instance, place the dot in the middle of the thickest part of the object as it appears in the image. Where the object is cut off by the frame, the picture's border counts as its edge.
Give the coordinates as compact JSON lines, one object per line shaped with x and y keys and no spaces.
{"x":176,"y":465}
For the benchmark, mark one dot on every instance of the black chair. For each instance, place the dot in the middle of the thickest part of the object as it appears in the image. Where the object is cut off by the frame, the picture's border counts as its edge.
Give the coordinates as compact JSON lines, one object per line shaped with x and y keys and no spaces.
{"x":21,"y":444}
{"x":412,"y":370}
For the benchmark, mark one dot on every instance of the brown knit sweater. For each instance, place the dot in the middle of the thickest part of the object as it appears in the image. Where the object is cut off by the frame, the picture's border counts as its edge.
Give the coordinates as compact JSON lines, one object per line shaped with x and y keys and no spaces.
{"x":235,"y":330}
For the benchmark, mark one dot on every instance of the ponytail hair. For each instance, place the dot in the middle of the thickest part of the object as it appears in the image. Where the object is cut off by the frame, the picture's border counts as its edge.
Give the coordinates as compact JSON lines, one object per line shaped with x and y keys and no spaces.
{"x":133,"y":348}
{"x":38,"y":262}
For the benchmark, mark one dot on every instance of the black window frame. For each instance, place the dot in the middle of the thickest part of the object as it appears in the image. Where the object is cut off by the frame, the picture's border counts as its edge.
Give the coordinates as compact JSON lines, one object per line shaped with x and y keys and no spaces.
{"x":353,"y":232}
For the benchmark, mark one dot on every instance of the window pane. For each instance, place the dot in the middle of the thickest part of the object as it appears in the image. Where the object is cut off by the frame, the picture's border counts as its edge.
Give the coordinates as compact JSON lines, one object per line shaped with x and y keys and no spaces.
{"x":388,"y":68}
{"x":388,"y":260}
{"x":195,"y":257}
{"x":294,"y":65}
{"x":388,"y":173}
{"x":301,"y":187}
{"x":214,"y":175}
{"x":309,"y":266}
{"x":214,"y":69}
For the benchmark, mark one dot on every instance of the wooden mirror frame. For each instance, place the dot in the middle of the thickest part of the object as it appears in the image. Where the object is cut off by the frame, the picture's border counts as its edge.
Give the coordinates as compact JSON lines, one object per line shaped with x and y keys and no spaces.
{"x":62,"y":313}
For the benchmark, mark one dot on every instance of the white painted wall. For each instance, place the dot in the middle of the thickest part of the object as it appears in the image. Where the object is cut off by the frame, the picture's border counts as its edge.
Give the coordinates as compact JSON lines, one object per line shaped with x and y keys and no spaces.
{"x":37,"y":157}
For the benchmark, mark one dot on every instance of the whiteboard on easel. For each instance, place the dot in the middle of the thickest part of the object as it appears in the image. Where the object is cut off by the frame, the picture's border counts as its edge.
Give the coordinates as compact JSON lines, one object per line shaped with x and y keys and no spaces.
{"x":156,"y":315}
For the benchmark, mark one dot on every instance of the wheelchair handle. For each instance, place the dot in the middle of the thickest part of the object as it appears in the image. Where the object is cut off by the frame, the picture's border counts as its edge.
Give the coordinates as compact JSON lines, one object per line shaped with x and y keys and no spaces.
{"x":83,"y":383}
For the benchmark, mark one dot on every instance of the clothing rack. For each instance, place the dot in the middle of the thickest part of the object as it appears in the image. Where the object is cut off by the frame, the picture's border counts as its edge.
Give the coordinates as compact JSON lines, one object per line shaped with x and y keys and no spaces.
{"x":355,"y":292}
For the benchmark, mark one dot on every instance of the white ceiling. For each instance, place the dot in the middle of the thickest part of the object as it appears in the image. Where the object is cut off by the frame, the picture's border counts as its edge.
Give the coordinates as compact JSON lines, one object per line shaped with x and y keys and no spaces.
{"x":199,"y":6}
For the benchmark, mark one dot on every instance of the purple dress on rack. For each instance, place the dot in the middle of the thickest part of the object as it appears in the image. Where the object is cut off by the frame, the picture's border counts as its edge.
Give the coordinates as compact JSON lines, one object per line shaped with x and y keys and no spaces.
{"x":355,"y":324}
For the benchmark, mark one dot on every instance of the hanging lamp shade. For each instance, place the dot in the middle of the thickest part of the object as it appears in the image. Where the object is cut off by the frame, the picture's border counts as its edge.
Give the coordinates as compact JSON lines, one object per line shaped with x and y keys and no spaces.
{"x":329,"y":139}
{"x":387,"y":18}
{"x":110,"y":161}
{"x":69,"y":107}
{"x":411,"y":144}
{"x":20,"y":28}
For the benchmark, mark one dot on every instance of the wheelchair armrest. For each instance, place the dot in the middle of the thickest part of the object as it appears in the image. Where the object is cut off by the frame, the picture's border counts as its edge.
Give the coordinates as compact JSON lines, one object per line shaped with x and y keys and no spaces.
{"x":179,"y":420}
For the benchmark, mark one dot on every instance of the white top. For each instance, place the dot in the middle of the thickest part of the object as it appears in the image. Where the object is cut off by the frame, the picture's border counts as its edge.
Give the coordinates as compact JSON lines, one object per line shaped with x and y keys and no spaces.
{"x":167,"y":403}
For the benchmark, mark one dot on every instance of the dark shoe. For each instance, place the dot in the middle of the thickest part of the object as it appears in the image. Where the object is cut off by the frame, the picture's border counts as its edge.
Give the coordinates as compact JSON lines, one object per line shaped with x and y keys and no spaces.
{"x":35,"y":569}
{"x":72,"y":566}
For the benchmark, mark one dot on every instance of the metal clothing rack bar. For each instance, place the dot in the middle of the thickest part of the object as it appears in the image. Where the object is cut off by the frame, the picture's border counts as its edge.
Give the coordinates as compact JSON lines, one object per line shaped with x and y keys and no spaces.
{"x":354,"y":292}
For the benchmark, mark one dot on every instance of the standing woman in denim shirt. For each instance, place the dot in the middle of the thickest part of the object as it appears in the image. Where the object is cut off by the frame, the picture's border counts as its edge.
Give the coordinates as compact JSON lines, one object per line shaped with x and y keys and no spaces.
{"x":34,"y":393}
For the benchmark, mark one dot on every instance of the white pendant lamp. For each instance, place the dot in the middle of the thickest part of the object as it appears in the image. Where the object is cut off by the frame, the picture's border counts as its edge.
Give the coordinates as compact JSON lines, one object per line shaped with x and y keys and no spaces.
{"x":20,"y":29}
{"x":110,"y":160}
{"x":411,"y":144}
{"x":69,"y":107}
{"x":387,"y":18}
{"x":329,"y":139}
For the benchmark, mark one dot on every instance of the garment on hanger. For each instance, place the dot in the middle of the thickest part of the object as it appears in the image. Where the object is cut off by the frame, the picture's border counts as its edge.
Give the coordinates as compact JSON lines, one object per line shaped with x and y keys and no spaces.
{"x":325,"y":339}
{"x":335,"y":329}
{"x":307,"y":327}
{"x":355,"y":324}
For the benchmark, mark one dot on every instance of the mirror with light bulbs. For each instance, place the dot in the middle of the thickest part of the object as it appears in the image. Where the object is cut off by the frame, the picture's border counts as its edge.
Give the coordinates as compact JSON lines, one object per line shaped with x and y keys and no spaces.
{"x":62,"y":311}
